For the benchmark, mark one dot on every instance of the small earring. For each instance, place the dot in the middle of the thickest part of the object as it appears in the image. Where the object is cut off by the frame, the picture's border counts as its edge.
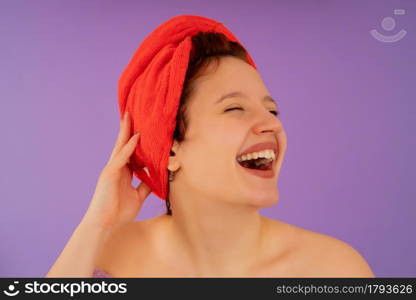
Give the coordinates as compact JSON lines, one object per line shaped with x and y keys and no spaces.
{"x":170,"y":175}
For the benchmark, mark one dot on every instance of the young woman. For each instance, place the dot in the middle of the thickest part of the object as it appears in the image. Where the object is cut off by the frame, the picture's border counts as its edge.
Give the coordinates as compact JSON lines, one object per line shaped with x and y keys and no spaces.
{"x":228,"y":150}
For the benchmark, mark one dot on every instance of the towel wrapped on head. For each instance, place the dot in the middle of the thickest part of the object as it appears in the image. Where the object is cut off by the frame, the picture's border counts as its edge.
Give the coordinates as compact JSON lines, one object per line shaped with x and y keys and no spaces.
{"x":150,"y":88}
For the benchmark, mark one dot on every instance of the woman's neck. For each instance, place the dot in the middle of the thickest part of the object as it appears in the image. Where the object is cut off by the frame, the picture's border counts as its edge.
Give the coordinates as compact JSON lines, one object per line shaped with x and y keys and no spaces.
{"x":216,"y":237}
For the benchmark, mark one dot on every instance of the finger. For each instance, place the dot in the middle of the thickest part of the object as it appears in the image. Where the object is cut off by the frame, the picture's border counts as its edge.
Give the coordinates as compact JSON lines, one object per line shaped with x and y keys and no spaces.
{"x":130,"y":170}
{"x":144,"y":190}
{"x":123,"y":156}
{"x":123,"y":135}
{"x":125,"y":131}
{"x":117,"y":144}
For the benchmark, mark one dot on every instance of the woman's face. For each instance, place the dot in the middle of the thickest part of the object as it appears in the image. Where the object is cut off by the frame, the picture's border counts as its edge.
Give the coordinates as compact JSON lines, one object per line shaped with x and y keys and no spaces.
{"x":215,"y":137}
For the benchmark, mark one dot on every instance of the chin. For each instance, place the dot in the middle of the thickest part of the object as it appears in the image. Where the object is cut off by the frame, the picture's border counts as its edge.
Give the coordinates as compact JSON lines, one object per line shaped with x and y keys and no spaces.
{"x":264,"y":199}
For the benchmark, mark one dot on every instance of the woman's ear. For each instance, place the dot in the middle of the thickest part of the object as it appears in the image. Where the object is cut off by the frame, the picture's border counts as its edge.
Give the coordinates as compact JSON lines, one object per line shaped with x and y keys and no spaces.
{"x":174,"y":163}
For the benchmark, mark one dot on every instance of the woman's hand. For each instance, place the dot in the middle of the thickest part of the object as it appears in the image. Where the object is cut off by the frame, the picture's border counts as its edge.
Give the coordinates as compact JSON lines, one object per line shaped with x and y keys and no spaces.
{"x":115,"y":201}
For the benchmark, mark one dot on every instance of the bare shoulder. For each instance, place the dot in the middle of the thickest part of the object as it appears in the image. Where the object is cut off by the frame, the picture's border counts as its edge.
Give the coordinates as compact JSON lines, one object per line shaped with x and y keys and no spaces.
{"x":321,"y":255}
{"x":121,"y":248}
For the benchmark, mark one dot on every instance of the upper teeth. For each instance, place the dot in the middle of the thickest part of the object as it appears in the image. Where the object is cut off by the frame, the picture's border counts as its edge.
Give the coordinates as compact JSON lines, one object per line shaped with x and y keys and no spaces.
{"x":254,"y":155}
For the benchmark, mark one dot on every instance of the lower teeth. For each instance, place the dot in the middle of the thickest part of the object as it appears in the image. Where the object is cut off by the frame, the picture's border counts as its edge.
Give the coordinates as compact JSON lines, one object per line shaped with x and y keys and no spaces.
{"x":262,"y":162}
{"x":264,"y":167}
{"x":259,"y":164}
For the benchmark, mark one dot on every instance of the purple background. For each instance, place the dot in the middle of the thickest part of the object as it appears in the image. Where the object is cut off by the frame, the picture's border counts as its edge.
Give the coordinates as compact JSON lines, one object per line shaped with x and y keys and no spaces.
{"x":347,"y":103}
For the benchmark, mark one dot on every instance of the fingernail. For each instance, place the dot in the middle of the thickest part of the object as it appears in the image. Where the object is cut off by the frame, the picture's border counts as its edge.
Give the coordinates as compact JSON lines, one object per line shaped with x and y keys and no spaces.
{"x":137,"y":133}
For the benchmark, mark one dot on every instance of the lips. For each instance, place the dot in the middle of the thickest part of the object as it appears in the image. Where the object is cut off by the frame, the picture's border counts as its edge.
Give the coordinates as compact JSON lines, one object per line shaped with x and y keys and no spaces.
{"x":260,"y":173}
{"x":260,"y":147}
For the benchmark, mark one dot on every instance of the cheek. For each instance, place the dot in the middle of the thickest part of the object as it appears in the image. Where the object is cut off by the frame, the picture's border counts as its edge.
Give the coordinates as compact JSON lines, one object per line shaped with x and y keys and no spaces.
{"x":215,"y":145}
{"x":227,"y":135}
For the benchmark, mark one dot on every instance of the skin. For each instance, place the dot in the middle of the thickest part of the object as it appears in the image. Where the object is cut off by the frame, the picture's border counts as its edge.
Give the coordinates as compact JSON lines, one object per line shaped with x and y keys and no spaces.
{"x":216,"y":229}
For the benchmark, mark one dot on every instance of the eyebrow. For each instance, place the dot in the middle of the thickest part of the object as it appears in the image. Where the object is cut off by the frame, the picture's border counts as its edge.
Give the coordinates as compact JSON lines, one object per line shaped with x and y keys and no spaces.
{"x":241,"y":94}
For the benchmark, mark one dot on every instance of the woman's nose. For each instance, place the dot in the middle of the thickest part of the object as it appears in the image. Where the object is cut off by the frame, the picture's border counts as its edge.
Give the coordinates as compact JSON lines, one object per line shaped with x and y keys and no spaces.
{"x":266,"y":121}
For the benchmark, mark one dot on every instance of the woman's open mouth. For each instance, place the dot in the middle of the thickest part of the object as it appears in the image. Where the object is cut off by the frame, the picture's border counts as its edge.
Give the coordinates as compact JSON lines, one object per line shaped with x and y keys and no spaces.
{"x":259,"y":163}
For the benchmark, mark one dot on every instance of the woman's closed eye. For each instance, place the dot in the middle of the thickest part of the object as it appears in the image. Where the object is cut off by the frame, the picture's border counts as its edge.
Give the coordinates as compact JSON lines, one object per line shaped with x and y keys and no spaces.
{"x":274,"y":112}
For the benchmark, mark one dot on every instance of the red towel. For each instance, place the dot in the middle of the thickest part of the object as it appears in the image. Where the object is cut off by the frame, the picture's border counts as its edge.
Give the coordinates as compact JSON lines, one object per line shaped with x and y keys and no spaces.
{"x":150,"y":88}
